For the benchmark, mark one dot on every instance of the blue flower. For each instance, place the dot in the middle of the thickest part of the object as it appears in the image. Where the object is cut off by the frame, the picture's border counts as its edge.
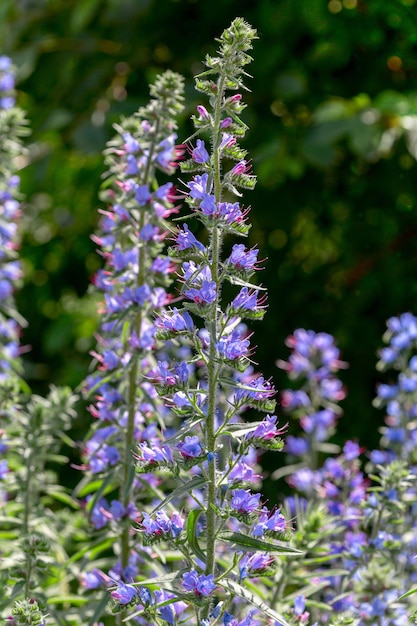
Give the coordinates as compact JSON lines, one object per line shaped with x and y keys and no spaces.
{"x":200,"y":154}
{"x":124,"y":593}
{"x":206,"y":294}
{"x":190,"y":447}
{"x":200,"y":585}
{"x":244,"y":501}
{"x":186,"y":240}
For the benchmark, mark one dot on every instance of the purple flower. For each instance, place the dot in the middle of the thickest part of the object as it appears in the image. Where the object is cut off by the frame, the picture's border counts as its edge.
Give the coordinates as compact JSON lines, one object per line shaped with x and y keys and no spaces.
{"x":247,"y":300}
{"x":100,"y":515}
{"x":168,"y":153}
{"x":318,"y":423}
{"x":94,"y":579}
{"x":203,"y":113}
{"x":244,"y":501}
{"x":142,"y":194}
{"x":149,"y":232}
{"x":257,"y":389}
{"x":242,"y":258}
{"x":314,"y":355}
{"x":191,"y":447}
{"x":186,"y":240}
{"x":206,"y":294}
{"x":243,"y":472}
{"x":351,"y":450}
{"x":208,"y":205}
{"x":200,"y":585}
{"x":227,"y":141}
{"x":267,"y":429}
{"x":254,"y":564}
{"x":124,"y":593}
{"x":161,"y":526}
{"x":131,"y":144}
{"x":233,"y":346}
{"x":175,"y":321}
{"x":200,"y":154}
{"x":297,"y":446}
{"x":198,"y":186}
{"x":303,"y":480}
{"x":153,"y":455}
{"x":269,"y":522}
{"x":4,"y":468}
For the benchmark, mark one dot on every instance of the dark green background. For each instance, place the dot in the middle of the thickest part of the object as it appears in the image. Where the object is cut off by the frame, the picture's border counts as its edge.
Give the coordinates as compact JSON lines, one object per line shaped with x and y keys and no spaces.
{"x":332,"y":140}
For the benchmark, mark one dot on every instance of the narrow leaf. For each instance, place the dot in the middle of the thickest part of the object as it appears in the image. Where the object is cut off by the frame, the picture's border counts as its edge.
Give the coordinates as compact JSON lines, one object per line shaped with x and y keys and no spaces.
{"x":159,"y":580}
{"x":238,"y":430}
{"x":240,"y":591}
{"x":408,"y":593}
{"x":191,"y":530}
{"x":251,"y":544}
{"x":181,"y":490}
{"x":99,"y":610}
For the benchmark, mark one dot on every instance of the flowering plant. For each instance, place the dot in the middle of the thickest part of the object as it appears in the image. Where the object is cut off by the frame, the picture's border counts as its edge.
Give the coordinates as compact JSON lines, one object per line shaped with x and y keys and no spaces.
{"x":167,"y":523}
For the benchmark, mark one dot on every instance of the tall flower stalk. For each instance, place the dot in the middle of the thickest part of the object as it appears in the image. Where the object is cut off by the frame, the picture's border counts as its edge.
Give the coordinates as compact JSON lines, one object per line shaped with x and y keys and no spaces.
{"x":211,"y":454}
{"x":32,"y":427}
{"x":13,"y":127}
{"x":133,"y":283}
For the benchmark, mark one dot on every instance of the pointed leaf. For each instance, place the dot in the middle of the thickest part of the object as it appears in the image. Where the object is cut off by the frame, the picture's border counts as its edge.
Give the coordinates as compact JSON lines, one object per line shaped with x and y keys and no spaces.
{"x":99,"y":609}
{"x":308,"y":590}
{"x":186,"y":428}
{"x":240,"y":429}
{"x":240,"y":591}
{"x":159,"y":580}
{"x":191,"y":530}
{"x":181,"y":490}
{"x":408,"y":593}
{"x":251,"y":544}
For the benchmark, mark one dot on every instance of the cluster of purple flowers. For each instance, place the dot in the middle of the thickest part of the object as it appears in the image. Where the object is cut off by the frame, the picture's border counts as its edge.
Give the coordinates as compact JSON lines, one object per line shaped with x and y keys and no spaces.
{"x":398,"y":396}
{"x":312,"y":365}
{"x":10,"y":269}
{"x":212,"y":389}
{"x":133,"y":283}
{"x":7,"y":83}
{"x":11,"y":129}
{"x":171,"y":477}
{"x":370,"y":528}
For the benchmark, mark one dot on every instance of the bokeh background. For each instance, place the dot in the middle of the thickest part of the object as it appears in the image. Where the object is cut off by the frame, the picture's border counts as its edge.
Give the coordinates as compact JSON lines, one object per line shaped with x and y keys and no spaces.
{"x":333,"y":139}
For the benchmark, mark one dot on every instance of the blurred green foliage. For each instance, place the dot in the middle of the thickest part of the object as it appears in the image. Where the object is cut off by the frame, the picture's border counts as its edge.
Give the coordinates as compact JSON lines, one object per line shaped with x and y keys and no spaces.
{"x":333,"y":119}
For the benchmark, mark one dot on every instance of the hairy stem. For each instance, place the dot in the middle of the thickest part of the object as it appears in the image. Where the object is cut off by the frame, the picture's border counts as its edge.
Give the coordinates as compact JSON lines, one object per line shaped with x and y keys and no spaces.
{"x":213,"y":366}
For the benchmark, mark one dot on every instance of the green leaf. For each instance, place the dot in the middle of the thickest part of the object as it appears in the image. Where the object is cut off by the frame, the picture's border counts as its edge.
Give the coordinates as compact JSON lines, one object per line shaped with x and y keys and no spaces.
{"x":92,"y":549}
{"x":100,"y":487}
{"x":408,"y":593}
{"x":186,"y":428}
{"x":160,"y":580}
{"x":130,"y":476}
{"x":191,"y":530}
{"x":17,"y":589}
{"x":73,"y":600}
{"x":240,"y":591}
{"x":307,"y":591}
{"x":99,"y":610}
{"x":63,"y":497}
{"x":198,"y":481}
{"x":250,"y":544}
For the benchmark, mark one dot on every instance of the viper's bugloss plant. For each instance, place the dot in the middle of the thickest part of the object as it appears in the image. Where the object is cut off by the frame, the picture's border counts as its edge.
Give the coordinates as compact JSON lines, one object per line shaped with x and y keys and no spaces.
{"x":32,"y":428}
{"x":224,"y":520}
{"x":168,"y":524}
{"x":13,"y":127}
{"x":133,"y":285}
{"x":364,"y":557}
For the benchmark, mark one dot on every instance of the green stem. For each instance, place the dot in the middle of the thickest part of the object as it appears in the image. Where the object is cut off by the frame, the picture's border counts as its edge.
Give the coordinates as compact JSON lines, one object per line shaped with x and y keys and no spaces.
{"x":213,"y":366}
{"x":128,"y":470}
